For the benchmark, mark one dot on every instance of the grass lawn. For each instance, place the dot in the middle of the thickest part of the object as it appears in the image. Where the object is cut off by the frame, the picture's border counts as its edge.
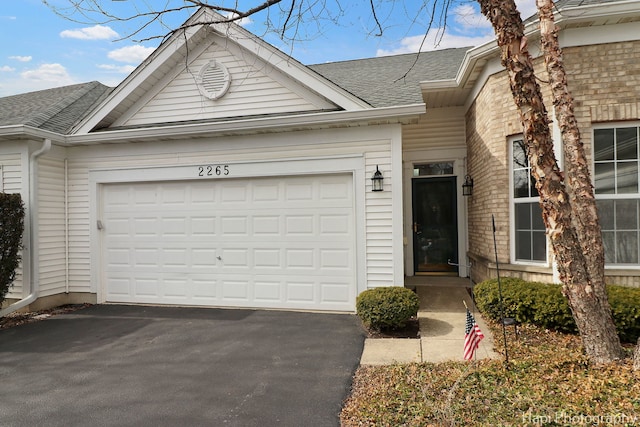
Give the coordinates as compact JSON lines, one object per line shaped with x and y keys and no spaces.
{"x":549,"y":383}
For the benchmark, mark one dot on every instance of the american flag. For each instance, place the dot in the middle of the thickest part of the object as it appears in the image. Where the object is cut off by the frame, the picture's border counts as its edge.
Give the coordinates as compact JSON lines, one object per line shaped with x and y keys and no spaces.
{"x":472,"y":337}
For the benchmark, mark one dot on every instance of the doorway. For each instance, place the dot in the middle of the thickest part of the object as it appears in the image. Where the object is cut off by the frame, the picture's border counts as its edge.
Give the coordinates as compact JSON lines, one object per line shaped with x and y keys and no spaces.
{"x":435,"y":225}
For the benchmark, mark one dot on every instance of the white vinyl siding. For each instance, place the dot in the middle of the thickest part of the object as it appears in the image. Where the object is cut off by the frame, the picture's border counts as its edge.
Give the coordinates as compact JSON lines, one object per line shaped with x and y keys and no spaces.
{"x":379,"y":218}
{"x":253,"y":91}
{"x":439,"y":127}
{"x":51,"y":226}
{"x":11,"y":170}
{"x":11,"y":173}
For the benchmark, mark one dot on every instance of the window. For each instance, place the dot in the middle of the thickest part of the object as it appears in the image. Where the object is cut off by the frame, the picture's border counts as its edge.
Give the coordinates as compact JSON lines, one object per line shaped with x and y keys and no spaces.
{"x":430,"y":169}
{"x":530,"y":242}
{"x":615,"y":155}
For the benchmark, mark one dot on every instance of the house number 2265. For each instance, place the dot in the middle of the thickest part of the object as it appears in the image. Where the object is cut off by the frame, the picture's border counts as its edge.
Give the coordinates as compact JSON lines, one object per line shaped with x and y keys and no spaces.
{"x":213,"y":170}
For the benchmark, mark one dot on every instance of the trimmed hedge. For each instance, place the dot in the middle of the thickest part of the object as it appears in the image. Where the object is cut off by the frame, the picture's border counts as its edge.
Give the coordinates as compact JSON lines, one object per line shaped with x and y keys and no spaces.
{"x":543,"y":304}
{"x":11,"y":228}
{"x":387,"y":307}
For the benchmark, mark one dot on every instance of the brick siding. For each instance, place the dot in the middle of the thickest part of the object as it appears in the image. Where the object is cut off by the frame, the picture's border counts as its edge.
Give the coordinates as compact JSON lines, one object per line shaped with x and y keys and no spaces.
{"x":605,"y":83}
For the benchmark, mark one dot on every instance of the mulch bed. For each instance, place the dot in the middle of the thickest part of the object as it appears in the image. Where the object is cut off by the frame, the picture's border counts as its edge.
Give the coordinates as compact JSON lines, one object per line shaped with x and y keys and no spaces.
{"x":411,"y":330}
{"x":20,"y":318}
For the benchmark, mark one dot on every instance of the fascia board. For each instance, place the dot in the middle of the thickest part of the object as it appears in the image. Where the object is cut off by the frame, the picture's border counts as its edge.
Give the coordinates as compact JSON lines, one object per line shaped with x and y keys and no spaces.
{"x":23,"y":131}
{"x":592,"y":11}
{"x":317,"y":120}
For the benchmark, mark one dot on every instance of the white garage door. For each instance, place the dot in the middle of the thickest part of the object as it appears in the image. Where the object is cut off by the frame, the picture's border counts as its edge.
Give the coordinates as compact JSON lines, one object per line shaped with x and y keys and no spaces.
{"x":272,"y":242}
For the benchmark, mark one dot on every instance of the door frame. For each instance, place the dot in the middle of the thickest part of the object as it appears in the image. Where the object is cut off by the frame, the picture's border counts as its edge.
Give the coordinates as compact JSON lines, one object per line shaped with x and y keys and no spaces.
{"x":458,"y":157}
{"x":449,"y":179}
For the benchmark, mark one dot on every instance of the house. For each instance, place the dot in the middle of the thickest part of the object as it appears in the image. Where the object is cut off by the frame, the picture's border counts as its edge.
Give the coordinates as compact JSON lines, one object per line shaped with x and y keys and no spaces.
{"x":222,"y":172}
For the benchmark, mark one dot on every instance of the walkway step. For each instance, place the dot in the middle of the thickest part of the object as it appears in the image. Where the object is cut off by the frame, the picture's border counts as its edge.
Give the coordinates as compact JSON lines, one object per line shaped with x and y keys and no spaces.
{"x":442,"y":318}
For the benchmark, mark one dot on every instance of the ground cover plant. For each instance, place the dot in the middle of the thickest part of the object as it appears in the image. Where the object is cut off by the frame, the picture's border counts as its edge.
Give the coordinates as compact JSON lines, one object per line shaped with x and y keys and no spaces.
{"x":549,"y":382}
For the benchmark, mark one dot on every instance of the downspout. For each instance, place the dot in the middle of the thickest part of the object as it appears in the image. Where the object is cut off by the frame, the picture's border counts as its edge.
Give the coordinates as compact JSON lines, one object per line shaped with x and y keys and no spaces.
{"x":66,"y":226}
{"x":30,"y":225}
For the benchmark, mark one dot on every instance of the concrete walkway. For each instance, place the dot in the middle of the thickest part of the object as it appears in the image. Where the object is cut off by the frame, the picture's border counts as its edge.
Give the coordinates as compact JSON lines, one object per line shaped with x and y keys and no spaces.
{"x":442,"y":319}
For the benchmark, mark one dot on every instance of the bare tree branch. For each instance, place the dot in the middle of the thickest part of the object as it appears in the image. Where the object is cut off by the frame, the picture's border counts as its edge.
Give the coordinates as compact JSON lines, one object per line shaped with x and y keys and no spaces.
{"x":375,"y":17}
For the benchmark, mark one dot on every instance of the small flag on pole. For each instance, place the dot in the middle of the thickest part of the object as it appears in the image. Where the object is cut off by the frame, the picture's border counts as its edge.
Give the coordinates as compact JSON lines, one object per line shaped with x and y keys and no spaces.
{"x":472,"y":337}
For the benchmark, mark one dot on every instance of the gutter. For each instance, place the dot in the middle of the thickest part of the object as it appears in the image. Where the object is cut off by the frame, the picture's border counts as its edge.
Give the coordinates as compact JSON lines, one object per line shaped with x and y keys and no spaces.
{"x":31,"y":231}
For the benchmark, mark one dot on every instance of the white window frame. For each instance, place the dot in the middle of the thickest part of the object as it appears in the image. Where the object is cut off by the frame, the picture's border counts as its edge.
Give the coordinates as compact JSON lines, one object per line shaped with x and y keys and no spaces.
{"x":512,"y":212}
{"x":616,"y":196}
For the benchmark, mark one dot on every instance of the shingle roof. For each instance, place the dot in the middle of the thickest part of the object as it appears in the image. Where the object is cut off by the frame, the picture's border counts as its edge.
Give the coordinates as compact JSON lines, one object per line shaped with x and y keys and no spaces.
{"x":392,"y":80}
{"x":56,"y":110}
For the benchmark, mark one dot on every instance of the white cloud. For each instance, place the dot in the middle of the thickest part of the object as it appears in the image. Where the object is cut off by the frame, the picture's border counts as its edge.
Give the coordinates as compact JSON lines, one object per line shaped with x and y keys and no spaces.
{"x":97,"y":32}
{"x":21,"y":58}
{"x":7,"y":69}
{"x":469,"y":18}
{"x":434,"y":42}
{"x":131,"y":54}
{"x":242,"y":22}
{"x":49,"y":73}
{"x":124,"y":69}
{"x":467,"y":28}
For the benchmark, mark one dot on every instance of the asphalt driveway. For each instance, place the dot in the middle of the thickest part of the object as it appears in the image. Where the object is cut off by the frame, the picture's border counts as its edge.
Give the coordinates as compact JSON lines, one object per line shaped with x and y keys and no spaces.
{"x":165,"y":366}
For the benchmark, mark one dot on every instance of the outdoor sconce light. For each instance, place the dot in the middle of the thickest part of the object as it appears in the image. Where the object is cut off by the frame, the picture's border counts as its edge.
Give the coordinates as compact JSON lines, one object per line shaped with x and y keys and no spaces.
{"x":376,"y":180}
{"x":467,"y":187}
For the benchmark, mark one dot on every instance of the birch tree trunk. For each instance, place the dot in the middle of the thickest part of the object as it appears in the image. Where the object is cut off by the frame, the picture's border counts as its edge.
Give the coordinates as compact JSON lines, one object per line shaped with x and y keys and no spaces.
{"x":576,"y":266}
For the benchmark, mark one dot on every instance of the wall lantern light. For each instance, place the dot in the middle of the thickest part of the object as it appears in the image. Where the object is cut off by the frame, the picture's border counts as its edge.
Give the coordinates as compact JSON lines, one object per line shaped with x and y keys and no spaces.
{"x":467,"y":187}
{"x":376,"y":180}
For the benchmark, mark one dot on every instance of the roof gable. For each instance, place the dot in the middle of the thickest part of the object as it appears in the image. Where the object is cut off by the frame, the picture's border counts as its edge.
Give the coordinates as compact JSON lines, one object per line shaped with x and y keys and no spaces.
{"x":164,"y":88}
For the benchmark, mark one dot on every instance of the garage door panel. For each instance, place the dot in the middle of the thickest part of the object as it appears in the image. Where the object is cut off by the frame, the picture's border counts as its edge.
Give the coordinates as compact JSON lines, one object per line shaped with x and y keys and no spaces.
{"x":275,"y":242}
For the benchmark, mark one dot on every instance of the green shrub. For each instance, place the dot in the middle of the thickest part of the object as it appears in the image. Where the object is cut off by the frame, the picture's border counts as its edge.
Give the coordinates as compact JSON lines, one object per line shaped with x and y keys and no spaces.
{"x":387,"y":307}
{"x":11,"y":228}
{"x":543,"y":304}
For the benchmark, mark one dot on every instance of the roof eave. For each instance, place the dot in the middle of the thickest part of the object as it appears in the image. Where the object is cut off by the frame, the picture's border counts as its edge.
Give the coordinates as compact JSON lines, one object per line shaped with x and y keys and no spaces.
{"x":476,"y":58}
{"x":27,"y":132}
{"x":401,"y":114}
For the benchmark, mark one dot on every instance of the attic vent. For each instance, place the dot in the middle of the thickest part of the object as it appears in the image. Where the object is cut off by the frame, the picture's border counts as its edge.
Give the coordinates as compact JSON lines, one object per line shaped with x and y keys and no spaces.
{"x":214,"y":80}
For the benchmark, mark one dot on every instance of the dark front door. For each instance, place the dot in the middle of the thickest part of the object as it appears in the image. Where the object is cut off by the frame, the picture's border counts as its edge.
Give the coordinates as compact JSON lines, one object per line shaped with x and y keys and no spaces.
{"x":435,"y":230}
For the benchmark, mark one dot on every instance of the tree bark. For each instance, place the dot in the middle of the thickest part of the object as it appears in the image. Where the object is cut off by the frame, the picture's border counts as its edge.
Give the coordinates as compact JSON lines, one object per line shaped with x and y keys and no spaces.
{"x":597,"y":322}
{"x":636,"y":357}
{"x":587,"y":309}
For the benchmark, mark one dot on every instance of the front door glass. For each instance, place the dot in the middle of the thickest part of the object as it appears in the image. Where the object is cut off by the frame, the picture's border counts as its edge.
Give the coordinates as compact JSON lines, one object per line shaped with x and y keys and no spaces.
{"x":435,"y":231}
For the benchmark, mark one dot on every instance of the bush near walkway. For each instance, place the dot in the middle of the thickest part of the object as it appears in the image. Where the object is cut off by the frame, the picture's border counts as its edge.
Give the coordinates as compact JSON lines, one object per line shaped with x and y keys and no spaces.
{"x":388,"y":307}
{"x":11,"y":228}
{"x":549,"y":382}
{"x":543,"y":304}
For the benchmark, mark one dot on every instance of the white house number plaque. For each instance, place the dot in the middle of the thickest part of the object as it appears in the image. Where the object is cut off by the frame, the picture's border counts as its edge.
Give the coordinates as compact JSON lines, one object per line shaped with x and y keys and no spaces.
{"x":213,"y":170}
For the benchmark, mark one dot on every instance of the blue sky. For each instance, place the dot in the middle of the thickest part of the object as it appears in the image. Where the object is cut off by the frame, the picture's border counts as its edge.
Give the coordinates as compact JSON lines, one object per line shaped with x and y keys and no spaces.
{"x":41,"y":49}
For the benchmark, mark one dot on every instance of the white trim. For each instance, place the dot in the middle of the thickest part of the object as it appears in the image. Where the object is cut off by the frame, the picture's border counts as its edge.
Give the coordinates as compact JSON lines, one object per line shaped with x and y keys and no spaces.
{"x":396,"y":203}
{"x":173,"y":49}
{"x":610,"y":267}
{"x":512,"y":213}
{"x":354,"y":165}
{"x":457,"y":156}
{"x":483,"y":61}
{"x":251,"y":125}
